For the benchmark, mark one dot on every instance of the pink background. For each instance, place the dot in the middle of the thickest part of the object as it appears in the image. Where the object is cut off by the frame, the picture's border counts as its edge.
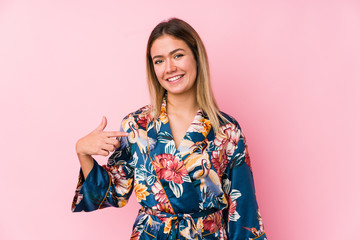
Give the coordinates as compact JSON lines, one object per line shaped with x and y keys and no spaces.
{"x":289,"y":71}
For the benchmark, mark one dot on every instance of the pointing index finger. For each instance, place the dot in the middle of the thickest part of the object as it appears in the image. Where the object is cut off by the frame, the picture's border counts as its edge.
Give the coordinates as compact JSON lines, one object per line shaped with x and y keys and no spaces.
{"x":116,"y":134}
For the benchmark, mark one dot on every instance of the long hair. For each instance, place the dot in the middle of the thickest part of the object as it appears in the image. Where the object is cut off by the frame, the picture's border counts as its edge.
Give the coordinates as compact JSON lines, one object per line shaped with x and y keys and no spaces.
{"x":204,"y":95}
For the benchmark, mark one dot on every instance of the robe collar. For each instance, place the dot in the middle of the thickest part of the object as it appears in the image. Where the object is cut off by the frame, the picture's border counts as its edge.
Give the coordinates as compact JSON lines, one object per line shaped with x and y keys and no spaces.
{"x":195,"y":135}
{"x":161,"y":142}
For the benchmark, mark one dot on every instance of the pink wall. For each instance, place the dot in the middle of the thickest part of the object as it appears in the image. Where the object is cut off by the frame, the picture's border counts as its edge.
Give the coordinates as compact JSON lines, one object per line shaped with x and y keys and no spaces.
{"x":289,"y":71}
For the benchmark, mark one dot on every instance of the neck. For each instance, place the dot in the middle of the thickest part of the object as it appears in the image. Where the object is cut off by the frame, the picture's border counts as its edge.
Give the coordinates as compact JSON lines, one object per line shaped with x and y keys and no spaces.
{"x":182,"y":103}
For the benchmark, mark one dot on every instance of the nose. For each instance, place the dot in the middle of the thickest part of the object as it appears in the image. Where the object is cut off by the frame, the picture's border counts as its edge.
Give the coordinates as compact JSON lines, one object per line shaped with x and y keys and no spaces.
{"x":170,"y":66}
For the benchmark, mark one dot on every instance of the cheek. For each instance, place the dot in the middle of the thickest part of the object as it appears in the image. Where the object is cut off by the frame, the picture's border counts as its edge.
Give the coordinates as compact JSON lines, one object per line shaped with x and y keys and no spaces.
{"x":192,"y":69}
{"x":158,"y":72}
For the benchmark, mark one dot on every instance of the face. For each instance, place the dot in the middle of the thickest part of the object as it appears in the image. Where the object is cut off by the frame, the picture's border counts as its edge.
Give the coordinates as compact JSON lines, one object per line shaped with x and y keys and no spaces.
{"x":174,"y":65}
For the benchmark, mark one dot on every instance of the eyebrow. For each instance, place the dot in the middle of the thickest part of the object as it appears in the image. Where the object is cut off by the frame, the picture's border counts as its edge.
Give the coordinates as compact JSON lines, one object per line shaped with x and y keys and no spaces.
{"x":172,"y":52}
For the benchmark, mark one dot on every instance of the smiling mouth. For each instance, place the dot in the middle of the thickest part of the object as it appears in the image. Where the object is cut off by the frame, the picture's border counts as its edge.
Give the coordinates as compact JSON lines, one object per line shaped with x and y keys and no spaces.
{"x":174,"y":78}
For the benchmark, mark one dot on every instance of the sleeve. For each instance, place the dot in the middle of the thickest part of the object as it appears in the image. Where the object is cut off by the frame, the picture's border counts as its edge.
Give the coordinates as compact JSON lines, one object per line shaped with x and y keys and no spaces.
{"x":108,"y":185}
{"x":242,"y":216}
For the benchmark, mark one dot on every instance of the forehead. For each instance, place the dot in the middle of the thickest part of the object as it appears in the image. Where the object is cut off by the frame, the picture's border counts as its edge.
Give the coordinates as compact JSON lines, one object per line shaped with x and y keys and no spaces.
{"x":167,"y":43}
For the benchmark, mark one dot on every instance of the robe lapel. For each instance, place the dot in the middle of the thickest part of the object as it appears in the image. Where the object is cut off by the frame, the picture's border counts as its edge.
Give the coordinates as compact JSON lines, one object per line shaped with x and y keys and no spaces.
{"x":169,"y":163}
{"x":195,"y":135}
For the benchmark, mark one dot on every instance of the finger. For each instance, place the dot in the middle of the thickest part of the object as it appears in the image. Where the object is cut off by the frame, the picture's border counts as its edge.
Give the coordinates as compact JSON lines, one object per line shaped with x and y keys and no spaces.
{"x":112,"y":141}
{"x":102,"y":125}
{"x":103,"y":153}
{"x":116,"y":134}
{"x":108,"y":147}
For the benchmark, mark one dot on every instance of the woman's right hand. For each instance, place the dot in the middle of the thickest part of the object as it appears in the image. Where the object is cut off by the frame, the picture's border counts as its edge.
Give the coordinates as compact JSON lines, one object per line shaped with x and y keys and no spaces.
{"x":99,"y":142}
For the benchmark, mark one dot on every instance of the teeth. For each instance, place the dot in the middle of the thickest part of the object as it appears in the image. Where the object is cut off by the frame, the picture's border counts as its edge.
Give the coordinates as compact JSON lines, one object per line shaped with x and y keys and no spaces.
{"x":174,"y":78}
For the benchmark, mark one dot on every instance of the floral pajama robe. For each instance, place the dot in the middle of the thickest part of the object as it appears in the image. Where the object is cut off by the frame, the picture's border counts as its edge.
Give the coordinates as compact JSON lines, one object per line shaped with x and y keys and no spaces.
{"x":202,"y":190}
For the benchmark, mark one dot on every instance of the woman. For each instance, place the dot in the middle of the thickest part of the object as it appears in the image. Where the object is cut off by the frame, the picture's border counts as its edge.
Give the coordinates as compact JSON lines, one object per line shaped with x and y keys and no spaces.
{"x":187,"y":161}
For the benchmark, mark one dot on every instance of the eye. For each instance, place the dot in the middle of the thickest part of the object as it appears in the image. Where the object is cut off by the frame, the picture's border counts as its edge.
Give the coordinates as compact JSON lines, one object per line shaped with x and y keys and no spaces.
{"x":179,"y":55}
{"x":158,"y":61}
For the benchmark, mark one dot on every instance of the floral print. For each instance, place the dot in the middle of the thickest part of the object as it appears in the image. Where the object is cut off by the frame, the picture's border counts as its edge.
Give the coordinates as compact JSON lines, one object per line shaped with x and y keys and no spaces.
{"x":159,"y":193}
{"x":160,"y":196}
{"x":140,"y":191}
{"x":169,"y":167}
{"x":201,"y":190}
{"x":233,"y":214}
{"x":118,"y":178}
{"x":200,"y":124}
{"x":135,"y":235}
{"x":228,"y":138}
{"x":219,"y":161}
{"x":212,"y":223}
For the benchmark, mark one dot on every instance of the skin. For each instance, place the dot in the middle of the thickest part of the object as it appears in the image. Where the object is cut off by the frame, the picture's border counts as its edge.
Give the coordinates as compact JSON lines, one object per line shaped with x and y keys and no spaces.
{"x":173,"y":58}
{"x":97,"y":142}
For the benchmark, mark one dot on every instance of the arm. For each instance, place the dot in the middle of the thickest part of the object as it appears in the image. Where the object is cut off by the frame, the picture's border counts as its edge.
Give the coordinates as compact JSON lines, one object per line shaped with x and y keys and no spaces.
{"x":86,"y":162}
{"x":243,"y":216}
{"x":98,"y":142}
{"x":108,"y":185}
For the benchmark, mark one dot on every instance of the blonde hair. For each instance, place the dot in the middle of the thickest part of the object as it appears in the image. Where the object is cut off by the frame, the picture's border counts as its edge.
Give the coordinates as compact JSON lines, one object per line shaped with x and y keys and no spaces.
{"x":204,"y":94}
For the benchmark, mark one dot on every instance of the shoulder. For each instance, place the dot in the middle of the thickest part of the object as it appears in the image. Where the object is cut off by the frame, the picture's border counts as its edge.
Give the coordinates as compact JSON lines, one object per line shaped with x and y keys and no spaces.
{"x":138,"y":118}
{"x":230,"y":129}
{"x":230,"y":120}
{"x":140,"y":113}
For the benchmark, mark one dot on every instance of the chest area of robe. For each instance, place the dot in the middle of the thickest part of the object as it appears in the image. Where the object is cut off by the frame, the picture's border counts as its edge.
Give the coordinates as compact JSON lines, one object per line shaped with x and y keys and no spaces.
{"x":186,"y":179}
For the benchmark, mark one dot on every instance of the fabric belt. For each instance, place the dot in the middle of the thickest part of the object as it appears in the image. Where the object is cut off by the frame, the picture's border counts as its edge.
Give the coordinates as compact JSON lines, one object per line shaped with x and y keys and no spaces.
{"x":180,"y":223}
